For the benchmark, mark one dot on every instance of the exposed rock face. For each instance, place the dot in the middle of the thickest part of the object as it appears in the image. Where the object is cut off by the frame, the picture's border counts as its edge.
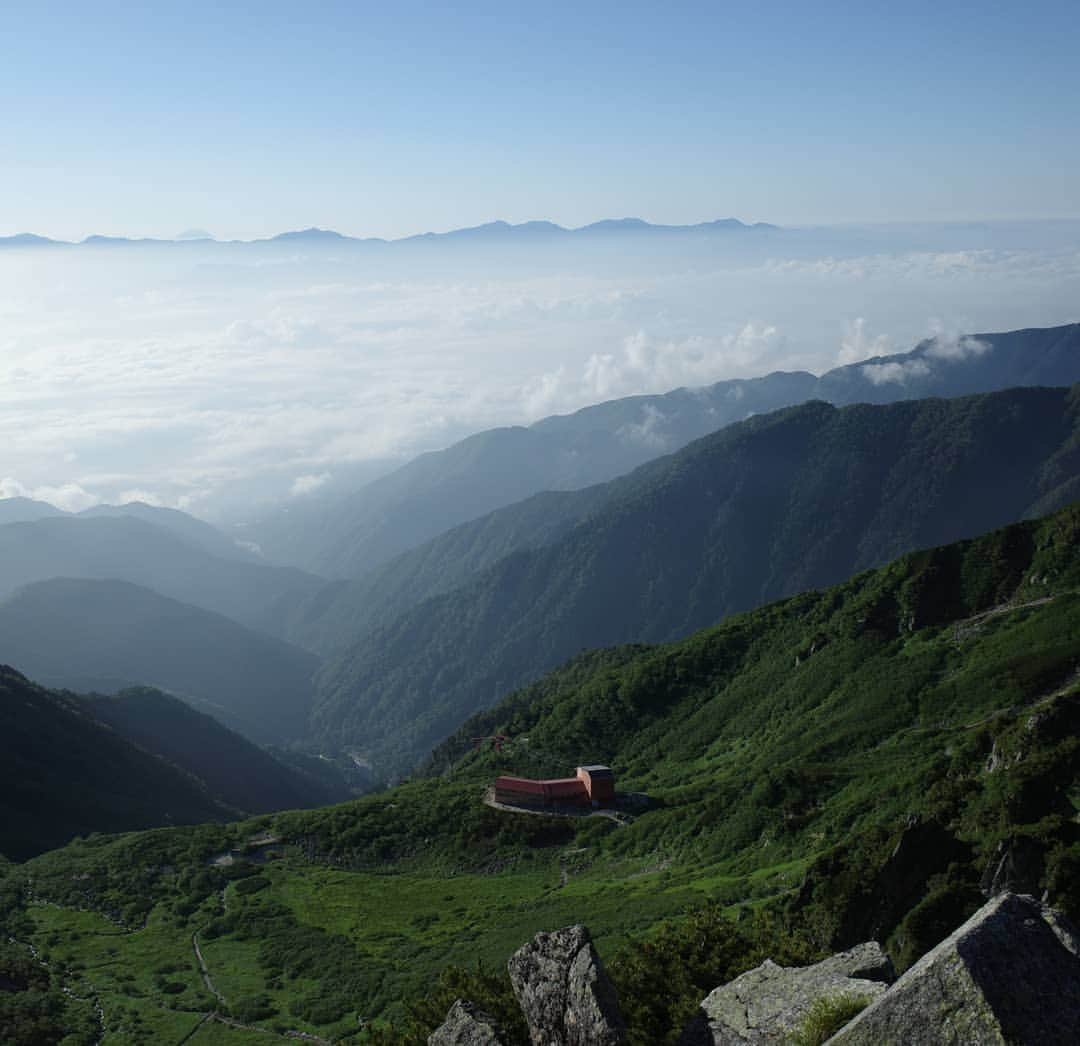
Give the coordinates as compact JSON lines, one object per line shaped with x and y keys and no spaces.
{"x":1016,"y":866}
{"x":465,"y":1025}
{"x":767,"y":1004}
{"x":1010,"y":974}
{"x":564,"y":992}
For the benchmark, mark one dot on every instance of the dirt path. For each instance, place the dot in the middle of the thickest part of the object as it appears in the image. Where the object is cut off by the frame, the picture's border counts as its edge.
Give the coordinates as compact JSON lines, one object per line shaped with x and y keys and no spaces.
{"x":203,"y":971}
{"x":970,"y":625}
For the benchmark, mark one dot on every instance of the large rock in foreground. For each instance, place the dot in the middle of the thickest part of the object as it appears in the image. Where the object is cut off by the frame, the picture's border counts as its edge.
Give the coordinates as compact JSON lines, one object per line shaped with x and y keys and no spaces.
{"x":1010,"y":974}
{"x":465,"y":1025}
{"x":767,"y":1004}
{"x":564,"y":992}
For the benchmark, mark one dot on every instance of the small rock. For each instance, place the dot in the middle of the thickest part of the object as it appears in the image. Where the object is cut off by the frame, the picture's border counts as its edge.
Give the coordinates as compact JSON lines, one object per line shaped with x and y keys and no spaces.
{"x":1010,"y":974}
{"x":767,"y":1004}
{"x":465,"y":1025}
{"x":564,"y":992}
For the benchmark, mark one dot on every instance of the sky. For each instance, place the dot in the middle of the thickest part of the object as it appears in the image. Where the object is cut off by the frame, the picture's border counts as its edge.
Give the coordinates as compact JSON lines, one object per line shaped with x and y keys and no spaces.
{"x":246,"y":119}
{"x":224,"y":379}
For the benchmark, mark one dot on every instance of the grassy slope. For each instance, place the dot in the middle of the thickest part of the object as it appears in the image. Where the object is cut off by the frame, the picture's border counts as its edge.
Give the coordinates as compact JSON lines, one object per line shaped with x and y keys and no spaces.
{"x":786,"y":751}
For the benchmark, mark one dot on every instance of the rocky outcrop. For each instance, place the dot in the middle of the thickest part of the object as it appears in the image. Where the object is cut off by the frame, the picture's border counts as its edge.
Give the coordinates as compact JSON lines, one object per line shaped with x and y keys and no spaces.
{"x":465,"y":1025}
{"x":564,"y":992}
{"x":1015,"y":866}
{"x":1010,"y":974}
{"x":767,"y":1004}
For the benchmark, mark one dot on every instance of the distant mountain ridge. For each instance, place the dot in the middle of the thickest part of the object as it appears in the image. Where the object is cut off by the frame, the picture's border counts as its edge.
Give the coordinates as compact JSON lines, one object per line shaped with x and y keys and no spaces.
{"x":500,"y":229}
{"x":775,"y":505}
{"x":154,"y":556}
{"x":355,"y":534}
{"x":106,"y":635}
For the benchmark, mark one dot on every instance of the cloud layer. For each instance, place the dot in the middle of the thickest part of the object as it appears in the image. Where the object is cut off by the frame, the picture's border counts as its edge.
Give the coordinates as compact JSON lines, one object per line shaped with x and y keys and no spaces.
{"x":213,"y":381}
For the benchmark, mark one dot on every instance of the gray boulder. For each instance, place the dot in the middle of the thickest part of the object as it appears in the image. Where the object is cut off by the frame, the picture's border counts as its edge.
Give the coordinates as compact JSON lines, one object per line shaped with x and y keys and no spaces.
{"x":767,"y":1004}
{"x":564,"y":992}
{"x":1010,"y":974}
{"x":465,"y":1025}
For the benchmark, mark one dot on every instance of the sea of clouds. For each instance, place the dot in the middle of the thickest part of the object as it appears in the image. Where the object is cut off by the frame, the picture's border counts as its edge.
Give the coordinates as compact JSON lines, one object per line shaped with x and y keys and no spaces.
{"x":218,"y":379}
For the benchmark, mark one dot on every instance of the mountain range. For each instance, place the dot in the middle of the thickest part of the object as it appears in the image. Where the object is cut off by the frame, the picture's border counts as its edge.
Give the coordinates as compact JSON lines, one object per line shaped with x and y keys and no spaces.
{"x":499,"y":231}
{"x":142,"y":595}
{"x":349,"y":536}
{"x":126,"y":547}
{"x":771,"y":506}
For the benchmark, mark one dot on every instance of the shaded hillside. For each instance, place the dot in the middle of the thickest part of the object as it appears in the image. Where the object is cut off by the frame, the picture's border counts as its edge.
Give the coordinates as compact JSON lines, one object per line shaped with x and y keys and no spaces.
{"x":339,"y":614}
{"x":437,"y":491}
{"x":236,"y":772}
{"x":146,"y":554}
{"x":26,"y":510}
{"x":107,"y":635}
{"x":775,"y":505}
{"x":195,"y":532}
{"x":858,"y":761}
{"x":64,"y":773}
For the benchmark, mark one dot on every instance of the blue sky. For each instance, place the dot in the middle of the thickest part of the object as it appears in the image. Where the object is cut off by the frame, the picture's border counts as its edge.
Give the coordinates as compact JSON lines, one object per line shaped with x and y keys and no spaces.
{"x":389,"y":119}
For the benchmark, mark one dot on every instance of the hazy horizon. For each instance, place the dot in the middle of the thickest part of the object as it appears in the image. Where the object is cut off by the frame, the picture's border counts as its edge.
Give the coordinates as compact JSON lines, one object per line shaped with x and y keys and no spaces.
{"x":220,"y":378}
{"x":920,"y":163}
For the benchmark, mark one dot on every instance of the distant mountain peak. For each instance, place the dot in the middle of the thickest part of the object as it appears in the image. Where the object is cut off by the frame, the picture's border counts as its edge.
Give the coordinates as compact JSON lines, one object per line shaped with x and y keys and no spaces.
{"x":193,"y":234}
{"x":28,"y":239}
{"x":312,"y":234}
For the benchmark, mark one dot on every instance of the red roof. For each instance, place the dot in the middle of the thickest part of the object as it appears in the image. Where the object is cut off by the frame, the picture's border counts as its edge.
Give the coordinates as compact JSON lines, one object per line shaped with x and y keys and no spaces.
{"x":556,"y":788}
{"x":520,"y":784}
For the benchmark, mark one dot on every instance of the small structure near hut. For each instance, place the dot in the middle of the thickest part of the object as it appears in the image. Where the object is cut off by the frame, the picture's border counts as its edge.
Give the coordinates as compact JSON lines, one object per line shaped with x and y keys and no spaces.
{"x":594,"y":786}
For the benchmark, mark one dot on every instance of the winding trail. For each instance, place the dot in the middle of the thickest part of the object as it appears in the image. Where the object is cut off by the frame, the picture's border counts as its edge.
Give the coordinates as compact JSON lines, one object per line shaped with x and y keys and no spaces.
{"x":204,"y":972}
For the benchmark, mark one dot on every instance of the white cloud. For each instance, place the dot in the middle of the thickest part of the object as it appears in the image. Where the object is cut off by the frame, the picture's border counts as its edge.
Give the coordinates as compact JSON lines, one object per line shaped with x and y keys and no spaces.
{"x":954,"y":348}
{"x":895,"y":373}
{"x":649,"y":432}
{"x":645,"y":364}
{"x":856,"y":345}
{"x":308,"y":484}
{"x":68,"y":496}
{"x":147,"y":497}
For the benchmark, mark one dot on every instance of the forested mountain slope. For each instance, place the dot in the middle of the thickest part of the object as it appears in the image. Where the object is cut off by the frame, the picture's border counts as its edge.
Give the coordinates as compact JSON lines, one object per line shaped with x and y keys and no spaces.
{"x":65,"y":774}
{"x":87,"y":634}
{"x":435,"y":492}
{"x":72,"y":764}
{"x":342,"y":612}
{"x":864,"y":761}
{"x":772,"y":506}
{"x":236,"y":772}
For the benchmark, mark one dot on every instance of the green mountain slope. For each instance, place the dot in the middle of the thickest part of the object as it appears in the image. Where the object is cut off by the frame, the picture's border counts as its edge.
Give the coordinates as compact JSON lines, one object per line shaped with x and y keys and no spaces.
{"x":233,"y":770}
{"x":849,"y":762}
{"x":349,"y":536}
{"x":344,"y":611}
{"x":131,"y":549}
{"x":73,"y":764}
{"x":63,"y":773}
{"x":769,"y":507}
{"x":106,"y":635}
